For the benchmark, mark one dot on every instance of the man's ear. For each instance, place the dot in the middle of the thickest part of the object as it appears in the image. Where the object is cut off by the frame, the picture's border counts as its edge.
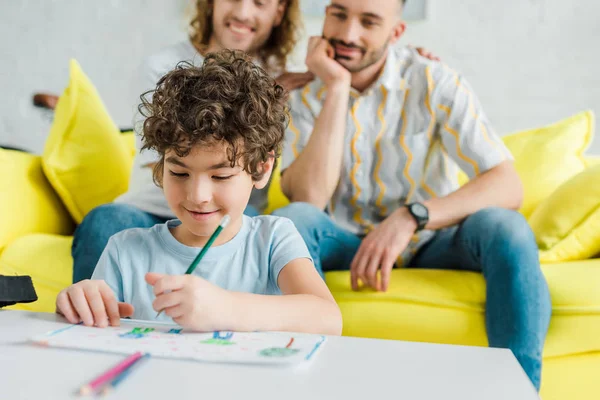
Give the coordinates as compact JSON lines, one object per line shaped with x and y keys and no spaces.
{"x":267,"y":170}
{"x":397,"y":31}
{"x":281,"y":7}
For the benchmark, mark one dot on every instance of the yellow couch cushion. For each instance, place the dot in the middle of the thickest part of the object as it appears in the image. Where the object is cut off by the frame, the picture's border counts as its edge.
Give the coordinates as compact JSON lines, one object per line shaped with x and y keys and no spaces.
{"x":567,"y":224}
{"x":28,"y":203}
{"x":571,"y":377}
{"x":128,"y":139}
{"x":548,"y":156}
{"x":443,"y":306}
{"x":276,"y":199}
{"x":84,"y":157}
{"x":47,"y":259}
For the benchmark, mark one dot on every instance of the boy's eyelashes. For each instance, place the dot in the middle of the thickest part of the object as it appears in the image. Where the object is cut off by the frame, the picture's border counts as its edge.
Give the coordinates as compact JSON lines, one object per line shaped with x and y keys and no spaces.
{"x":215,"y":177}
{"x":222,"y":178}
{"x":179,"y":175}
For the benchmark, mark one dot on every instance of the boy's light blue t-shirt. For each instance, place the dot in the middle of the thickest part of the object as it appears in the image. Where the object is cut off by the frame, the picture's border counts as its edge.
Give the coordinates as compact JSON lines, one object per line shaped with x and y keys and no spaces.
{"x":250,"y":262}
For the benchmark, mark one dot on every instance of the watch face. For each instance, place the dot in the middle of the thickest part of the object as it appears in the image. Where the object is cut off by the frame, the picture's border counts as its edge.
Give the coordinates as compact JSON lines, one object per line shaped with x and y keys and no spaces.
{"x":419,"y":210}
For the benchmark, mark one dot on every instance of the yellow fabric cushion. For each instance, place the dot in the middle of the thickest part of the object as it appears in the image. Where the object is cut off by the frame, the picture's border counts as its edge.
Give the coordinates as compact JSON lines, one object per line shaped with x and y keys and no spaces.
{"x":47,"y":259}
{"x":546,"y":157}
{"x":443,"y":306}
{"x":567,"y":224}
{"x":573,"y":377}
{"x":128,"y":139}
{"x":28,"y":203}
{"x":276,"y":199}
{"x":84,"y":158}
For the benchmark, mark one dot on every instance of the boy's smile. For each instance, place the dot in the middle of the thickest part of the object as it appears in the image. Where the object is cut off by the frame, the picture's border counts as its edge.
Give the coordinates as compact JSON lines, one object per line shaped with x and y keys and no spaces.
{"x":201,"y":188}
{"x":202,"y":215}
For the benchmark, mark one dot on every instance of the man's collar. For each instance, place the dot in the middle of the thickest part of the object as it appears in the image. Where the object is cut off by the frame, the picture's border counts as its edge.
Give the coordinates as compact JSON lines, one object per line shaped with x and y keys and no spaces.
{"x":390,"y":76}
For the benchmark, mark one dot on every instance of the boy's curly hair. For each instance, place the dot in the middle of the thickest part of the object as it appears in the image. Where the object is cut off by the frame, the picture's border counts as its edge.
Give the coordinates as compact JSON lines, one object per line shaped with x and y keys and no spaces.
{"x":229,"y":98}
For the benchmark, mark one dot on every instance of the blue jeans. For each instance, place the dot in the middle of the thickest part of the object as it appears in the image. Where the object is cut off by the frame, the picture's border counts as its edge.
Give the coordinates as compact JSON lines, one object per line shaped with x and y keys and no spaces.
{"x":92,"y":235}
{"x":494,"y":241}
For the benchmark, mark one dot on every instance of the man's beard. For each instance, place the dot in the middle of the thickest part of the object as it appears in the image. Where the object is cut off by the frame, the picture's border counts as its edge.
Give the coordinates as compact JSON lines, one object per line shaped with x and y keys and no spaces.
{"x":369,"y":58}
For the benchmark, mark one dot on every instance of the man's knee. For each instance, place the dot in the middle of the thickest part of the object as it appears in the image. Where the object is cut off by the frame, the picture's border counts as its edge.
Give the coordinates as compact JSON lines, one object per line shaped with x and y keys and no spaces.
{"x":501,"y":225}
{"x":300,"y":211}
{"x":505,"y":237}
{"x":306,"y":217}
{"x":108,"y":219}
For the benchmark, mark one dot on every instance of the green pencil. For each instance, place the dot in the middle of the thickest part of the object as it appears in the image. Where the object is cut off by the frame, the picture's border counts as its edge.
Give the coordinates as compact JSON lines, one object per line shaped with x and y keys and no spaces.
{"x":224,"y":222}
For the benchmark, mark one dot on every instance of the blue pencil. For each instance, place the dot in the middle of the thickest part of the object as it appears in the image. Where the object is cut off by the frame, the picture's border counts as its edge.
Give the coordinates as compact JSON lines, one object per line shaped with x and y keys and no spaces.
{"x":121,"y":377}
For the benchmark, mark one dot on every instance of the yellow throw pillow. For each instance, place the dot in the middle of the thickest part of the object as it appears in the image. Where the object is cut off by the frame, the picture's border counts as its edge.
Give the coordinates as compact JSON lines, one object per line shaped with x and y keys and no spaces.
{"x":47,"y":259}
{"x":85,"y":158}
{"x":276,"y":198}
{"x":547,"y":157}
{"x":567,"y":224}
{"x":28,"y":204}
{"x":128,"y":139}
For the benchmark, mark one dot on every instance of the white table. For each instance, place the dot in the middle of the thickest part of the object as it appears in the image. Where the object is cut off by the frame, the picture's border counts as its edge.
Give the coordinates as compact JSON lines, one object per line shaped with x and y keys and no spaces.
{"x":345,"y":369}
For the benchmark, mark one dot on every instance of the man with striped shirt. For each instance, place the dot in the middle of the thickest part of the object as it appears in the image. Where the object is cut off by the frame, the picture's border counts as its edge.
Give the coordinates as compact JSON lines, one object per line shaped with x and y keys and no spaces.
{"x":370,"y":163}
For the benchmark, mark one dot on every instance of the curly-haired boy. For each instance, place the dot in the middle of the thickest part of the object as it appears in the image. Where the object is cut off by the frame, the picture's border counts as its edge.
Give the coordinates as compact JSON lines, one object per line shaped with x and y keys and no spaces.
{"x":218,"y":130}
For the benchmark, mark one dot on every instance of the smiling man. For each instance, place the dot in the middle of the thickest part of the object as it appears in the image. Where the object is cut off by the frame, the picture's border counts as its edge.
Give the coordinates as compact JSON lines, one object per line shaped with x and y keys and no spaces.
{"x":371,"y":160}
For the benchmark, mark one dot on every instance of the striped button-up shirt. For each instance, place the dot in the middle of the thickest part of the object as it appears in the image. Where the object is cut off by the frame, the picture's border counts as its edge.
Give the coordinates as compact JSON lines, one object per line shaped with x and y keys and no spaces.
{"x":406,"y":137}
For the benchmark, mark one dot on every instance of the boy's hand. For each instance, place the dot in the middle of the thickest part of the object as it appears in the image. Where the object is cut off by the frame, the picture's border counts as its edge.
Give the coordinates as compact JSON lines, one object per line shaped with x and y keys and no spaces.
{"x":191,"y":301}
{"x":93,"y":302}
{"x":320,"y":61}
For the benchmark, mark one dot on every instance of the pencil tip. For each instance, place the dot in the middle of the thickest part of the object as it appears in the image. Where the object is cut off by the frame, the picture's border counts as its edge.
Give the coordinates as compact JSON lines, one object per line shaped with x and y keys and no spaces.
{"x":85,"y":390}
{"x":225,"y":220}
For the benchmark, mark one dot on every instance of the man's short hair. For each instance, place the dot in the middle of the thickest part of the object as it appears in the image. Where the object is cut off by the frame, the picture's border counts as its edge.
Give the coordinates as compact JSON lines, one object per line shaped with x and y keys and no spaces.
{"x":228,"y":99}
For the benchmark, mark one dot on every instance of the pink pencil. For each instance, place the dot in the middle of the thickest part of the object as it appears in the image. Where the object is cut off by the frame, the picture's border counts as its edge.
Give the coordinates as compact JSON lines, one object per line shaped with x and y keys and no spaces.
{"x":108,"y":375}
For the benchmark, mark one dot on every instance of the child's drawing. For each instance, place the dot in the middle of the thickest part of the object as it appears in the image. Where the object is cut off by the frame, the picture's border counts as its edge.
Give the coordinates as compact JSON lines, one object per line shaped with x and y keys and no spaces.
{"x":169,"y":342}
{"x":137,"y":333}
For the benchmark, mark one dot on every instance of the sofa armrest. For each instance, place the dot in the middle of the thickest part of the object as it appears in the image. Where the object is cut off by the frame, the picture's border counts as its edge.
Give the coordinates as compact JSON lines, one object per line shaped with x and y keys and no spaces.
{"x":28,"y":204}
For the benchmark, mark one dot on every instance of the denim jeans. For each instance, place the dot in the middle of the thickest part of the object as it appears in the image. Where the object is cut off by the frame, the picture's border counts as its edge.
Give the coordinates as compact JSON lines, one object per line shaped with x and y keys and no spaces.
{"x":92,"y":235}
{"x":494,"y":241}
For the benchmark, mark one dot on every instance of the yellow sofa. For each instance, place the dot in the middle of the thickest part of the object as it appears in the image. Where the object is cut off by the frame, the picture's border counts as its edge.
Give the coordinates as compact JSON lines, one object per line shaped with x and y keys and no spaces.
{"x":36,"y":224}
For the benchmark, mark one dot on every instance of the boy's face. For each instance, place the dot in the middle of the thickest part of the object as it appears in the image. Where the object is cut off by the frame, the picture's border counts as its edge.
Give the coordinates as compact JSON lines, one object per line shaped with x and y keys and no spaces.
{"x":244,"y":24}
{"x":360,"y":30}
{"x":202,"y":187}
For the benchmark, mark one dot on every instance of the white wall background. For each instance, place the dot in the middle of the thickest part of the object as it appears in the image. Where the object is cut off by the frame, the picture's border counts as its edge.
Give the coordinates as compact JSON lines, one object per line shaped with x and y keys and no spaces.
{"x":531,"y":62}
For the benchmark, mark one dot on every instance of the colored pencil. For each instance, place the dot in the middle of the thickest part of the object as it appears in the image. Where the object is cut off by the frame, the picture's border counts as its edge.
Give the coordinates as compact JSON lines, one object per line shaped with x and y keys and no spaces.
{"x":123,"y":375}
{"x":93,"y":386}
{"x":224,"y":222}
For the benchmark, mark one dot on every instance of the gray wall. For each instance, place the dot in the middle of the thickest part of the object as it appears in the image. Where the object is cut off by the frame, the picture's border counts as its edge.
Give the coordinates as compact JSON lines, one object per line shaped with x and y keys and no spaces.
{"x":531,"y":62}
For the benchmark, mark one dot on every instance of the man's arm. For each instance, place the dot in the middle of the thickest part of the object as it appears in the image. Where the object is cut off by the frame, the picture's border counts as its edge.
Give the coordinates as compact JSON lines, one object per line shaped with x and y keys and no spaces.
{"x":469,"y":139}
{"x":497,"y":187}
{"x":314,"y":174}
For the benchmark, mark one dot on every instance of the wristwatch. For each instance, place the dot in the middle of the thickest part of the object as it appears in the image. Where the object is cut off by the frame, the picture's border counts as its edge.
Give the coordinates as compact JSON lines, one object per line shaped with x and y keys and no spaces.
{"x":420,"y":213}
